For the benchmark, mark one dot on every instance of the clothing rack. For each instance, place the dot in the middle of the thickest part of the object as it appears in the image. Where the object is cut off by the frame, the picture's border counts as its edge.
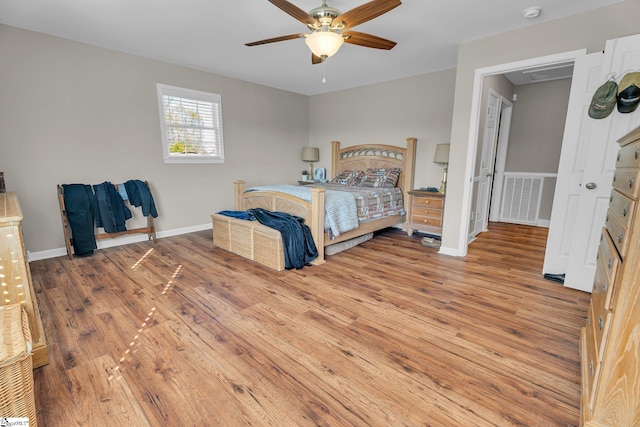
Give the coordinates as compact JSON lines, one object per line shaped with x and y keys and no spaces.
{"x":150,"y":229}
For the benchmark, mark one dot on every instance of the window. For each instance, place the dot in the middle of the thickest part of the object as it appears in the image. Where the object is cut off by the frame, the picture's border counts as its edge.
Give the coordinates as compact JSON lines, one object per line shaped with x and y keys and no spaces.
{"x":191,"y":125}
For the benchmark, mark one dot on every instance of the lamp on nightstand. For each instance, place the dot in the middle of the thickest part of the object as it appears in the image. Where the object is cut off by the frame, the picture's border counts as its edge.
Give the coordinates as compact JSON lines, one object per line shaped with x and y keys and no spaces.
{"x":310,"y":154}
{"x":442,"y":157}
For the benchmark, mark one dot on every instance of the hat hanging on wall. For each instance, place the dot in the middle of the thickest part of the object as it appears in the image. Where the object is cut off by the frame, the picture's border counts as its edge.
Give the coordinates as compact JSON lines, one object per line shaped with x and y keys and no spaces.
{"x":629,"y":92}
{"x":604,"y":100}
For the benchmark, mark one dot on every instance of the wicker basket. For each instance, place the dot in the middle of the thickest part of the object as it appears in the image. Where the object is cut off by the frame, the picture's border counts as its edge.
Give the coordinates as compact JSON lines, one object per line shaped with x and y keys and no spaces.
{"x":249,"y":239}
{"x":16,"y":367}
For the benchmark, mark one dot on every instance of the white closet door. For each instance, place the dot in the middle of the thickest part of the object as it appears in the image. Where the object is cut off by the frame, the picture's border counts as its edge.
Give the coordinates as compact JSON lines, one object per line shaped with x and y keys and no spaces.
{"x":587,"y":162}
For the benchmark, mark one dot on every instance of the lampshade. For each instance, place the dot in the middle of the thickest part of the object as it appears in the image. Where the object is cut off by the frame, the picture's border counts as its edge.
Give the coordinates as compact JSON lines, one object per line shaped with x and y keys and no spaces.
{"x":442,"y":154}
{"x":310,"y":154}
{"x":324,"y":43}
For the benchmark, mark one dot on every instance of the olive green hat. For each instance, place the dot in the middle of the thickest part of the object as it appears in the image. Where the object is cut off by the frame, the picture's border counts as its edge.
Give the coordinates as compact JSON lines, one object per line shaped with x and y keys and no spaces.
{"x":604,"y":100}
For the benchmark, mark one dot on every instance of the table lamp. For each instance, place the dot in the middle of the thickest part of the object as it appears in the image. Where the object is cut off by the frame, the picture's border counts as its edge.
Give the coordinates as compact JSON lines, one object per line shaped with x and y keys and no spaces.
{"x":310,"y":154}
{"x":442,"y":157}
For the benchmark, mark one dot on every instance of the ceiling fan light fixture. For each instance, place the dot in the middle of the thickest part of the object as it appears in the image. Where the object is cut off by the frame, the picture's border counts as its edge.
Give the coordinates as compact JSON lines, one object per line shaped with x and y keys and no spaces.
{"x":324,"y":44}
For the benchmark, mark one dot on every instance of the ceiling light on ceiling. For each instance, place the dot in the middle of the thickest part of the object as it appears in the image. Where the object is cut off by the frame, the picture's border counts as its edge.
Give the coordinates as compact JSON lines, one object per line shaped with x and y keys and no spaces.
{"x":532,"y":12}
{"x":324,"y":44}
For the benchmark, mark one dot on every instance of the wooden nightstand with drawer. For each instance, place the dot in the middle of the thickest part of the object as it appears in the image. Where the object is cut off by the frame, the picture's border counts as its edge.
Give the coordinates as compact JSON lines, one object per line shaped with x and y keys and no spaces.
{"x":425,"y":210}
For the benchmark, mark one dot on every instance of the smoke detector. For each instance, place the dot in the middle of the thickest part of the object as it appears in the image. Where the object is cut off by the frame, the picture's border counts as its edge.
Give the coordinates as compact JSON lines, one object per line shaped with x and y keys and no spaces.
{"x":532,"y":12}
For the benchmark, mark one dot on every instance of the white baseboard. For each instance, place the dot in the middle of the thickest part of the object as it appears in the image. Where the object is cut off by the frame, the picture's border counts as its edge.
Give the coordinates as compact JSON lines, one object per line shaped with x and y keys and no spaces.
{"x":449,"y":251}
{"x":544,"y":223}
{"x":119,"y":241}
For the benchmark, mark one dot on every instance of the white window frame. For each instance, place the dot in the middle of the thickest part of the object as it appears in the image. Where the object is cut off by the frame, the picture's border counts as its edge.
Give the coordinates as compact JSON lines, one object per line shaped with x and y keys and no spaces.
{"x":202,"y":98}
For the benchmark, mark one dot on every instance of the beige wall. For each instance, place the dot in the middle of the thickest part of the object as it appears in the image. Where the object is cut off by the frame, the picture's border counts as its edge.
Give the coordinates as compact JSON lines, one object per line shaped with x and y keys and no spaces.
{"x":75,"y":113}
{"x":537,"y":128}
{"x":388,"y":113}
{"x":589,"y":30}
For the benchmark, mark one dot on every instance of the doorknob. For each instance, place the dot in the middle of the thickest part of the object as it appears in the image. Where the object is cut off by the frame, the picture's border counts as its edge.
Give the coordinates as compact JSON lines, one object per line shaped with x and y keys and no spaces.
{"x":591,"y":185}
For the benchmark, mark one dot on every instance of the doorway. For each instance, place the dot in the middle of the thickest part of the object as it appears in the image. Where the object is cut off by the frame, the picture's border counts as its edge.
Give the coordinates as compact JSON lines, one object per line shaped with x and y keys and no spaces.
{"x":514,"y":182}
{"x":476,"y":112}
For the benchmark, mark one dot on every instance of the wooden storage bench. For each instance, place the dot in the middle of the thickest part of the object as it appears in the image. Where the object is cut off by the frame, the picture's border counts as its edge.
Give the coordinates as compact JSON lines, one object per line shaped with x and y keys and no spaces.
{"x":249,"y":239}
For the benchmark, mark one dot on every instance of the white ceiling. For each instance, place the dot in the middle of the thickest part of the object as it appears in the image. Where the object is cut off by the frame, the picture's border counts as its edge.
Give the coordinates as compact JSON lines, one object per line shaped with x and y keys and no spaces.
{"x":210,"y":35}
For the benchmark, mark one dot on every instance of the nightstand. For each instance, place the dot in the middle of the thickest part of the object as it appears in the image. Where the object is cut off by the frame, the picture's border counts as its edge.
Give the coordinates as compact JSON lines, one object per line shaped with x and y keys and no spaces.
{"x":425,"y":210}
{"x":306,"y":182}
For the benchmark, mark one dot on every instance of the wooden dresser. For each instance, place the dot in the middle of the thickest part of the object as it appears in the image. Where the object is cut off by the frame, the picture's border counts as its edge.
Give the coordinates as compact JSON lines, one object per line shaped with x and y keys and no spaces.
{"x":425,"y":210}
{"x":610,"y":341}
{"x":15,"y":275}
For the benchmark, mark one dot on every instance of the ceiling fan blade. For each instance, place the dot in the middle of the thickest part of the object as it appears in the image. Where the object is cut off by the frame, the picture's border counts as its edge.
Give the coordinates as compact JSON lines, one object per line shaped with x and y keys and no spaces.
{"x":294,"y":11}
{"x":368,"y":40}
{"x":315,"y":59}
{"x":366,"y":12}
{"x":275,"y":39}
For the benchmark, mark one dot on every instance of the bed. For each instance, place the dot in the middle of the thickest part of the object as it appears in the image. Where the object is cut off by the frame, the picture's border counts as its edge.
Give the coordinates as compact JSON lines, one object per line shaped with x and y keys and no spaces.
{"x":353,"y":158}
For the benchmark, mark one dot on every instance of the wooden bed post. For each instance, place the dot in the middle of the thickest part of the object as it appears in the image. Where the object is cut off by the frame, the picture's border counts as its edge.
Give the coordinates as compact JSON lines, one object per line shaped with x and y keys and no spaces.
{"x":317,"y":222}
{"x":409,"y":166}
{"x":239,"y":189}
{"x":335,"y":158}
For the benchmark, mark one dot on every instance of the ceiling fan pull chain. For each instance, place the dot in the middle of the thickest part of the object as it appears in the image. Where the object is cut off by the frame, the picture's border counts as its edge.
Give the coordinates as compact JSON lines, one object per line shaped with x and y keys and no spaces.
{"x":324,"y":80}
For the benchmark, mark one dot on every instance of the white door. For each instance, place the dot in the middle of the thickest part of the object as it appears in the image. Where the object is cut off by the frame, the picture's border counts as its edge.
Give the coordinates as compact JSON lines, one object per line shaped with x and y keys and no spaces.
{"x":573,"y":157}
{"x":506,"y":111}
{"x":624,"y":56}
{"x":487,"y":161}
{"x":581,"y":200}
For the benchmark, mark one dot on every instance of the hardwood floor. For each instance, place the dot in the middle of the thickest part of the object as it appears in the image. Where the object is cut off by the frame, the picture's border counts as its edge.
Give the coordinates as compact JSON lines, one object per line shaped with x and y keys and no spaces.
{"x":389,"y":333}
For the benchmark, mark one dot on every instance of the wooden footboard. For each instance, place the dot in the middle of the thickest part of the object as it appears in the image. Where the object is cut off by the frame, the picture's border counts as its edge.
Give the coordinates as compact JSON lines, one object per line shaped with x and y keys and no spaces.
{"x":313,"y":213}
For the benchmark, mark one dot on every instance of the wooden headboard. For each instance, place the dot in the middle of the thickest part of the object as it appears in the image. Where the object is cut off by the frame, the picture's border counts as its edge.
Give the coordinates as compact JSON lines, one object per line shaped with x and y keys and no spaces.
{"x":361,"y":157}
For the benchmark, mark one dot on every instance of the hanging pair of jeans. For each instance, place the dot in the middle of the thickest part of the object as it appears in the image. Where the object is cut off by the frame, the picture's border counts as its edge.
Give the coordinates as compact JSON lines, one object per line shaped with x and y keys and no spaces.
{"x":80,"y":205}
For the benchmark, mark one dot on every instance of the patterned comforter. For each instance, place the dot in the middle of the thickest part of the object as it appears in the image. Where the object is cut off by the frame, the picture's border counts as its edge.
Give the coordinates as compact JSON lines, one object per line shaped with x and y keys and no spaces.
{"x":372,"y":203}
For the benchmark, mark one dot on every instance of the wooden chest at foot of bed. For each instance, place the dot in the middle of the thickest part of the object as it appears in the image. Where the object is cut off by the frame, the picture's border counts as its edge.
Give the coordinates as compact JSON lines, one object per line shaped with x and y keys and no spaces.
{"x":249,"y":239}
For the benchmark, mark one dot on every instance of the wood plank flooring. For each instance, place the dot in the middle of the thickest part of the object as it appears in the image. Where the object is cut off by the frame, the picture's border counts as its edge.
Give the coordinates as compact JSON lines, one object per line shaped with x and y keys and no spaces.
{"x":389,"y":333}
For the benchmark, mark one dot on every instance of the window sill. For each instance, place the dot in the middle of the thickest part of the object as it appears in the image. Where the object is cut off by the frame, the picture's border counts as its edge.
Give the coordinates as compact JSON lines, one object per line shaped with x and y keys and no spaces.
{"x":194,"y":160}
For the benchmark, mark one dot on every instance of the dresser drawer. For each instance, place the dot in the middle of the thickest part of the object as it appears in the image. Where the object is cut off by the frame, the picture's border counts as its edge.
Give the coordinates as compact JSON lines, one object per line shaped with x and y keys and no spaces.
{"x":585,"y":392}
{"x":629,"y":156}
{"x":626,"y":182}
{"x":619,"y":233}
{"x":422,"y":212}
{"x":424,"y":220}
{"x":427,"y":202}
{"x":592,"y":367}
{"x":601,"y":315}
{"x":601,"y":327}
{"x":610,"y":260}
{"x":622,"y":206}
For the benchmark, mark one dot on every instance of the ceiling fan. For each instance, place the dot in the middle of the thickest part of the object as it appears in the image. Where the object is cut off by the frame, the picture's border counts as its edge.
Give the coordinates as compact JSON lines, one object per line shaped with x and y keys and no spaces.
{"x":330,"y":28}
